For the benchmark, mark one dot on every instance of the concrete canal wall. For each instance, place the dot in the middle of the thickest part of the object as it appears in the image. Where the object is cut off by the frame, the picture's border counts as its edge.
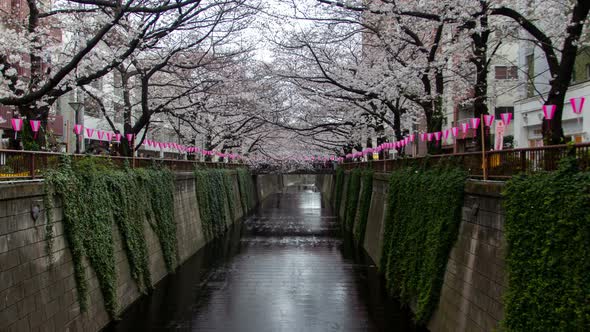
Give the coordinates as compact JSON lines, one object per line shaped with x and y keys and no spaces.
{"x":37,"y":297}
{"x":474,"y":281}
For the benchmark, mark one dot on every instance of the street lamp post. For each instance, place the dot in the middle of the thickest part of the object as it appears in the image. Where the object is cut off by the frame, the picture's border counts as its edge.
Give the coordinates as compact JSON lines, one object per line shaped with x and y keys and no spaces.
{"x":77,"y":106}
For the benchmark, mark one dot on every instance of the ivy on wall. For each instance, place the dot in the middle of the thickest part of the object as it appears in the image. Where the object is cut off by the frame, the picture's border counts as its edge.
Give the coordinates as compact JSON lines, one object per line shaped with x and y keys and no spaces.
{"x":215,"y":194}
{"x":94,"y":197}
{"x":246,"y":185}
{"x":422,"y":221}
{"x":352,"y":198}
{"x":364,"y":206}
{"x":548,"y":235}
{"x":339,"y":188}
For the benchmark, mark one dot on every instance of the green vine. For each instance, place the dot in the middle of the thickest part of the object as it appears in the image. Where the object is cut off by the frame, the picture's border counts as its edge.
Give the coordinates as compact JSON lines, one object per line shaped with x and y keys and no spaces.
{"x":339,"y":188}
{"x":228,"y":182}
{"x":246,"y":186}
{"x":95,"y":196}
{"x":215,"y":194}
{"x":422,"y":221}
{"x":49,"y":205}
{"x":548,"y":235}
{"x":352,"y":198}
{"x":365,"y":205}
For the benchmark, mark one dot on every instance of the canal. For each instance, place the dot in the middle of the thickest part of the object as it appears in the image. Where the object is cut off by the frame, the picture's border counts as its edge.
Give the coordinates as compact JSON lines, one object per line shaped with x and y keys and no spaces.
{"x":285,"y":268}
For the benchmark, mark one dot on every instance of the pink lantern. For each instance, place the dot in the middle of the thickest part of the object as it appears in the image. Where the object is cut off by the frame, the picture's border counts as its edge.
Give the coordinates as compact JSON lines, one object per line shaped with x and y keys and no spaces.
{"x":474,"y":122}
{"x":488,"y":120}
{"x":89,"y":132}
{"x":506,"y":118}
{"x":549,"y":111}
{"x":118,"y":137}
{"x":17,"y":125}
{"x":577,"y":104}
{"x":35,"y":125}
{"x":429,"y":137}
{"x":437,"y":135}
{"x":446,"y":133}
{"x":454,"y":131}
{"x":78,"y":129}
{"x":464,"y":127}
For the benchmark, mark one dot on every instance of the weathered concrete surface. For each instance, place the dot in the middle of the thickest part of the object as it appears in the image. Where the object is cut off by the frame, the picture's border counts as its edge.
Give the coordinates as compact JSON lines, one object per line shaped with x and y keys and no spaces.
{"x":471,"y":297}
{"x":267,"y":184}
{"x":373,"y":242}
{"x":475,"y":279}
{"x":35,"y":297}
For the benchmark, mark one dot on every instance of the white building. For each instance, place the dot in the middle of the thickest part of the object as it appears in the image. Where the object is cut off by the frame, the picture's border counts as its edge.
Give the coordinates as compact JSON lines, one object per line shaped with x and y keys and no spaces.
{"x":528,"y":113}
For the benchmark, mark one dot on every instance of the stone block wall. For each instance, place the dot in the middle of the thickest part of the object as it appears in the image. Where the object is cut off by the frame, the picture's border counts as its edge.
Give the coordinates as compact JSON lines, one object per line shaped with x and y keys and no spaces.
{"x":471,"y":297}
{"x":35,"y":296}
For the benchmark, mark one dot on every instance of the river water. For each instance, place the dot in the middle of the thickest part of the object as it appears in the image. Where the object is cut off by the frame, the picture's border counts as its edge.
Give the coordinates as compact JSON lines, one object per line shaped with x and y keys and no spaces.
{"x":285,"y":268}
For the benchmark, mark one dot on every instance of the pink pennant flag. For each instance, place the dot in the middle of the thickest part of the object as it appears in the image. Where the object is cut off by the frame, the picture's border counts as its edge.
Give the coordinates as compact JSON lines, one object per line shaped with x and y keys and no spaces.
{"x":578,"y":104}
{"x":446,"y":133}
{"x":488,"y":120}
{"x":17,"y":125}
{"x":412,"y":137}
{"x":118,"y":137}
{"x":406,"y":140}
{"x":89,"y":132}
{"x":549,"y":111}
{"x":100,"y":134}
{"x":474,"y":122}
{"x":35,"y":125}
{"x":423,"y":137}
{"x":109,"y":136}
{"x":506,"y":118}
{"x":437,"y":135}
{"x":429,"y":137}
{"x":454,"y":131}
{"x":78,"y":129}
{"x":129,"y":138}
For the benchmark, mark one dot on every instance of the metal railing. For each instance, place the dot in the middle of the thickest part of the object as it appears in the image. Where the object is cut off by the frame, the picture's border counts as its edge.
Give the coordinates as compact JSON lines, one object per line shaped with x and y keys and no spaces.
{"x":18,"y":164}
{"x":498,"y":164}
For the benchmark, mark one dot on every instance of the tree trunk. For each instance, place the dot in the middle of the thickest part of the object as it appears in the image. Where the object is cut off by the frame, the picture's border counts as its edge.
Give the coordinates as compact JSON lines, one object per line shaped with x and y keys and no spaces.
{"x":553,"y":130}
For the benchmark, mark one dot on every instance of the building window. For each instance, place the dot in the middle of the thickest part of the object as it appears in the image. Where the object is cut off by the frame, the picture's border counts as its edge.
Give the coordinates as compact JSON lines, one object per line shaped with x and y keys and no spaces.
{"x":500,"y":110}
{"x":530,"y":66}
{"x":506,"y":72}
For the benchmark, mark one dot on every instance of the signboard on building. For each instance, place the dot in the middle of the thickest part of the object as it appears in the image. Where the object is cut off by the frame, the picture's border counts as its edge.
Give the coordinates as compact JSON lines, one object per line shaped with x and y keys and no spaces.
{"x":500,"y":128}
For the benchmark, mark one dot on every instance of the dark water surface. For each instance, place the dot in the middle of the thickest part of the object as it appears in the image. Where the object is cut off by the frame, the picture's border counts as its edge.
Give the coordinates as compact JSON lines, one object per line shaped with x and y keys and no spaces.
{"x":286,"y":268}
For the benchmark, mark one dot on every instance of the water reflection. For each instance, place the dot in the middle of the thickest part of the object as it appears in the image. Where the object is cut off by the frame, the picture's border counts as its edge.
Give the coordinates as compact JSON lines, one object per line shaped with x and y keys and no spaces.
{"x":284,"y":269}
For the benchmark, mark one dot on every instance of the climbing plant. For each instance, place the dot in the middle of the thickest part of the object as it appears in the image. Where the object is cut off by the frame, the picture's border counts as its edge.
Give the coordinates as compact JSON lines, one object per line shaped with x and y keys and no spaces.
{"x":215,"y":194}
{"x":94,"y":197}
{"x":228,"y":182}
{"x":352,"y":197}
{"x":364,"y":206}
{"x":339,"y":187}
{"x":246,"y":186}
{"x":548,"y":235}
{"x":159,"y":187}
{"x":422,"y":221}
